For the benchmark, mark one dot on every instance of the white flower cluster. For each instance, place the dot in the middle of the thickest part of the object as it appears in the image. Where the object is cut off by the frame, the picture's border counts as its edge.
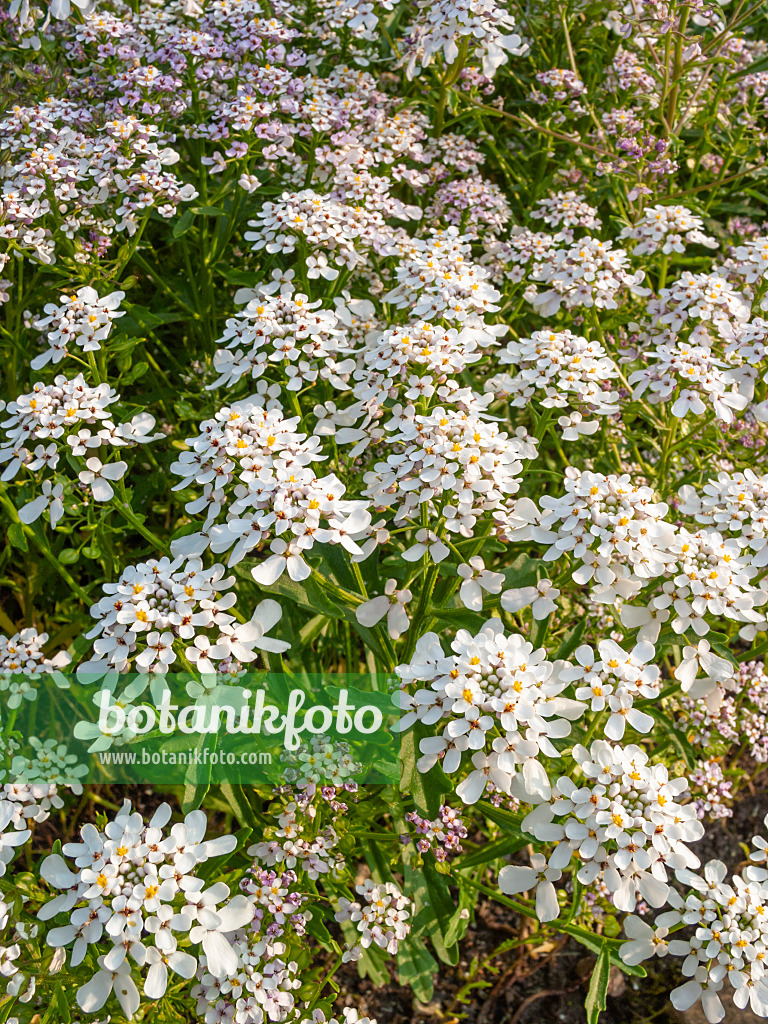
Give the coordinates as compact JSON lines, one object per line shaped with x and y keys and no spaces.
{"x":291,"y":851}
{"x":495,"y":697}
{"x":727,"y":934}
{"x":320,"y":761}
{"x":700,"y":301}
{"x":570,"y":371}
{"x":382,"y":918}
{"x":752,"y":260}
{"x":624,"y":821}
{"x":614,"y":681}
{"x":259,"y":983}
{"x":59,"y":9}
{"x":736,"y":504}
{"x":60,"y":414}
{"x":437,"y":278}
{"x":285,"y":329}
{"x":667,"y":228}
{"x":588,"y":273}
{"x":252,"y":463}
{"x":458,"y":463}
{"x":566,"y":210}
{"x":30,"y":801}
{"x":101,"y":172}
{"x":610,"y":525}
{"x":623,"y":540}
{"x":83,"y":319}
{"x":479,"y":206}
{"x":15,"y":815}
{"x":317,"y":221}
{"x":50,"y":763}
{"x":410,"y":362}
{"x":158,"y":610}
{"x":447,"y":26}
{"x":23,"y":661}
{"x":694,"y":377}
{"x":134,"y":892}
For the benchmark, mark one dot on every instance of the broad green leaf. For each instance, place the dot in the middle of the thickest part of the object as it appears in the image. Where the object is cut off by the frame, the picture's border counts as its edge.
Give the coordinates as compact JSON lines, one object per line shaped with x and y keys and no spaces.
{"x":426,"y":789}
{"x":417,"y":967}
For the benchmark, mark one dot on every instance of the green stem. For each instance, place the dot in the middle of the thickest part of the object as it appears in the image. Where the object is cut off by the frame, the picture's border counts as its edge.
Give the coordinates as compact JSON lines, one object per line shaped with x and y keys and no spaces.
{"x":45,"y":551}
{"x":123,"y":507}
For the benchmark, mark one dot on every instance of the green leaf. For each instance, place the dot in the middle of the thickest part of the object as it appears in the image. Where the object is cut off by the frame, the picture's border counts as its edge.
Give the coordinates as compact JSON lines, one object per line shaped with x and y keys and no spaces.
{"x":524,"y":572}
{"x":141,"y":319}
{"x":207,"y":211}
{"x":193,"y":797}
{"x":391,"y":772}
{"x":509,"y":822}
{"x":571,"y":641}
{"x":539,"y":631}
{"x":242,"y":278}
{"x":677,"y":736}
{"x":669,"y":638}
{"x":62,"y":1005}
{"x":426,"y":789}
{"x":183,"y":224}
{"x":136,"y":371}
{"x":317,"y":930}
{"x":430,"y":891}
{"x":598,"y":986}
{"x":719,"y":643}
{"x":235,"y":796}
{"x":493,"y":851}
{"x":417,"y":967}
{"x":17,"y":537}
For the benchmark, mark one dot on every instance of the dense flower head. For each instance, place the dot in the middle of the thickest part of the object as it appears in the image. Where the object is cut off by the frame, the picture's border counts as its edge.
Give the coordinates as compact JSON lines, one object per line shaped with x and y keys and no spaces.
{"x":82,"y":318}
{"x":133,"y":890}
{"x":382,"y":916}
{"x":446,"y":27}
{"x":161,"y":606}
{"x":456,"y":461}
{"x":496,"y":699}
{"x":562,"y":371}
{"x":625,"y":821}
{"x":252,"y":463}
{"x":588,"y":273}
{"x":284,"y":327}
{"x":669,"y":229}
{"x":23,"y":661}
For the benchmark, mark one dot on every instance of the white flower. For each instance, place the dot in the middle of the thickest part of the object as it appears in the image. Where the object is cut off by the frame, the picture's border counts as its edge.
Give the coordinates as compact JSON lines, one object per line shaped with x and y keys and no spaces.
{"x":477,"y":579}
{"x":254,"y":632}
{"x":645,"y":941}
{"x":486,"y":769}
{"x":542,"y":597}
{"x":514,"y":880}
{"x":50,"y":498}
{"x":92,"y":996}
{"x":392,"y":604}
{"x":180,"y":963}
{"x":215,"y":923}
{"x":715,"y":668}
{"x":98,"y":476}
{"x":427,"y":541}
{"x":649,"y":619}
{"x":284,"y":556}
